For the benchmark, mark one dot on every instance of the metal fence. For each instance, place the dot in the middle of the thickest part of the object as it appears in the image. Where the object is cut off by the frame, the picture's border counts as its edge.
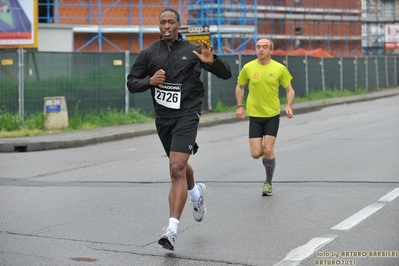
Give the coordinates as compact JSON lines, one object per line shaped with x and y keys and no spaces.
{"x":93,"y":82}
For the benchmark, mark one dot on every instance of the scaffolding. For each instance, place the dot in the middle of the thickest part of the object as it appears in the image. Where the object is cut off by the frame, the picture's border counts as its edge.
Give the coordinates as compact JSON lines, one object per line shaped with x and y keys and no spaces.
{"x":375,"y":15}
{"x":341,"y":28}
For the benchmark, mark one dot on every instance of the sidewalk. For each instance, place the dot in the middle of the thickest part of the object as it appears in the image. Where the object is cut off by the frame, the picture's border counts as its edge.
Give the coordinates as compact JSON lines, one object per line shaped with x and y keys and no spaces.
{"x":99,"y":135}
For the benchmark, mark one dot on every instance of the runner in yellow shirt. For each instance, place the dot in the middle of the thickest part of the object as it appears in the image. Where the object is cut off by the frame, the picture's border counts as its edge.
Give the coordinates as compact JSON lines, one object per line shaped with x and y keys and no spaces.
{"x":264,"y":76}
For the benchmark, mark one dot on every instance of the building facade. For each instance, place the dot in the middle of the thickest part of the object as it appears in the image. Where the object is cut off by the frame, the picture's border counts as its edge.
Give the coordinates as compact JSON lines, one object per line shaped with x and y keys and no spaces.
{"x":340,"y":28}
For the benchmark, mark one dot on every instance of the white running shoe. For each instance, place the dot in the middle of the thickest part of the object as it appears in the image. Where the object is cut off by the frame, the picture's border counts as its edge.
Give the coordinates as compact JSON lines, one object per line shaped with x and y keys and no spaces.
{"x":168,"y":239}
{"x":199,"y":209}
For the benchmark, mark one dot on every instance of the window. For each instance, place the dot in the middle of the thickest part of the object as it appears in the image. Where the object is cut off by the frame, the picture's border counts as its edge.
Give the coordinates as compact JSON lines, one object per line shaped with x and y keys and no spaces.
{"x":46,"y":11}
{"x":298,"y":2}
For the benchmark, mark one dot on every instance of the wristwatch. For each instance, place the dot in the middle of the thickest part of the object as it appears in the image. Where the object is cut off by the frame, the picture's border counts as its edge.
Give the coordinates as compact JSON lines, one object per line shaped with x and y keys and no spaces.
{"x":239,"y":105}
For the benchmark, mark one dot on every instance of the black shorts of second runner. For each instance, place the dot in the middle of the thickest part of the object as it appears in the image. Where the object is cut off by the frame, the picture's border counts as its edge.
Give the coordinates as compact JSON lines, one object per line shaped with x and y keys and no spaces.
{"x":259,"y":127}
{"x":178,"y":134}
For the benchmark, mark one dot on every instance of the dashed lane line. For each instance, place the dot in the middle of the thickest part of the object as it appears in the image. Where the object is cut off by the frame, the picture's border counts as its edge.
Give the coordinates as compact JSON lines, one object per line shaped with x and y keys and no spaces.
{"x":295,"y":256}
{"x":300,"y":253}
{"x":358,"y":217}
{"x":390,"y":196}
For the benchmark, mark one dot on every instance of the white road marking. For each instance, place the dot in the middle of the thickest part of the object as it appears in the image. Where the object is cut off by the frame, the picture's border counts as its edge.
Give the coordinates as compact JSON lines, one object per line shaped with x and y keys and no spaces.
{"x":295,"y":256}
{"x":390,"y":196}
{"x":358,"y":217}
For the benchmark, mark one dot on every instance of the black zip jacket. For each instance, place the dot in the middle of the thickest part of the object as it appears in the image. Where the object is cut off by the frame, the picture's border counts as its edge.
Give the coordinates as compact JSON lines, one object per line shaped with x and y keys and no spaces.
{"x":182,"y":66}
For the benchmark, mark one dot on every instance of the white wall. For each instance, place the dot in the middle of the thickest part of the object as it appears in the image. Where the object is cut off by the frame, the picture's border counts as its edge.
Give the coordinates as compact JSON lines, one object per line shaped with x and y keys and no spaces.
{"x":55,"y":38}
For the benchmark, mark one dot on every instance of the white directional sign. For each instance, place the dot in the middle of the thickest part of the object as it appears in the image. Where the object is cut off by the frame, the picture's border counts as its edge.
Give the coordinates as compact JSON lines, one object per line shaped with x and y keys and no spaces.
{"x":194,"y":30}
{"x":196,"y":33}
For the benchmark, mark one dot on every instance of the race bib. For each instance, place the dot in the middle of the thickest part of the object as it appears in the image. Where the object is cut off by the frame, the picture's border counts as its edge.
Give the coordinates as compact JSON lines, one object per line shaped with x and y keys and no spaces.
{"x":168,"y":95}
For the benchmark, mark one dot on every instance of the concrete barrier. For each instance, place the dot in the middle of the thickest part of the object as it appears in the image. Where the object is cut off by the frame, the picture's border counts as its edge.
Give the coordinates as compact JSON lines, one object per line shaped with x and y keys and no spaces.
{"x":55,"y":113}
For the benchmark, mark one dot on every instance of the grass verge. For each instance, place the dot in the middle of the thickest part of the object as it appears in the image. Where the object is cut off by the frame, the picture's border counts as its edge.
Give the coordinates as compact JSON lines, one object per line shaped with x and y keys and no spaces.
{"x":33,"y":125}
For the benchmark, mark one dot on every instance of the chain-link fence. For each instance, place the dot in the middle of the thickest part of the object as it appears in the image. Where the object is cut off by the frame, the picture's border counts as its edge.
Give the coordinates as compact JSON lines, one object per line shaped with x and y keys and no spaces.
{"x":93,"y":82}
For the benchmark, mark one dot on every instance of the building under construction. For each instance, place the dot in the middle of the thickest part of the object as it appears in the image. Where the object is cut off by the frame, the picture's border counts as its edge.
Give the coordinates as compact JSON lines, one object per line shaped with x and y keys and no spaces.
{"x":340,"y":28}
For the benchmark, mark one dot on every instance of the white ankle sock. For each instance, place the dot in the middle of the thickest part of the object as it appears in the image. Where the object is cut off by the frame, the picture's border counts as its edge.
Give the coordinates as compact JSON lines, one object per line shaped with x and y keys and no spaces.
{"x":194,"y":193}
{"x":173,"y":223}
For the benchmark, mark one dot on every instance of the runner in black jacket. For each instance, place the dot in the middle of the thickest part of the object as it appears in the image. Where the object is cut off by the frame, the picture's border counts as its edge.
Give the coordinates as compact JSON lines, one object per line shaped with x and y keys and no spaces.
{"x":171,"y":69}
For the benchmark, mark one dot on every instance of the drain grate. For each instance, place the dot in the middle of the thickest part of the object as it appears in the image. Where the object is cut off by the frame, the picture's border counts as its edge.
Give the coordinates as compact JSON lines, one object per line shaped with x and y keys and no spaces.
{"x":23,"y":148}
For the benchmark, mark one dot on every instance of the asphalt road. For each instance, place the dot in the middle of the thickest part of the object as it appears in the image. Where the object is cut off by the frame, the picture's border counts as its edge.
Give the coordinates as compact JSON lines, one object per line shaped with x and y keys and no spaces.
{"x":336,"y":195}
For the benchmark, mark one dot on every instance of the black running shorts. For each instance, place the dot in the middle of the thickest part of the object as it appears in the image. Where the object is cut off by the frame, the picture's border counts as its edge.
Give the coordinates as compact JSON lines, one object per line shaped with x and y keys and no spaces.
{"x":178,"y":134}
{"x":259,"y":127}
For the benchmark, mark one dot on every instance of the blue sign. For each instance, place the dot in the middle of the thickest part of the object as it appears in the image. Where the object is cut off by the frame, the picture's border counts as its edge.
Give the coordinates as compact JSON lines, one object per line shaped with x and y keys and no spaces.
{"x":53,"y":108}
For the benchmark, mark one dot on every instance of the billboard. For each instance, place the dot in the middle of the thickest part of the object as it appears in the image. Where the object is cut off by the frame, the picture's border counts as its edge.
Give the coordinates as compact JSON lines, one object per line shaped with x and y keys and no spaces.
{"x":18,"y":23}
{"x":392,"y":37}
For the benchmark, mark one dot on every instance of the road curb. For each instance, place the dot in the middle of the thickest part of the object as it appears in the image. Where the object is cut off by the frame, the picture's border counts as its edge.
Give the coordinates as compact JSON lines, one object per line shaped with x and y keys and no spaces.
{"x":29,"y":145}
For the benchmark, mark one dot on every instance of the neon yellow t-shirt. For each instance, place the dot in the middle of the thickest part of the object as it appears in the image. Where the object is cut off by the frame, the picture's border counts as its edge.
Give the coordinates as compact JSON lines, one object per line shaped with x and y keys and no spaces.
{"x":263,"y":86}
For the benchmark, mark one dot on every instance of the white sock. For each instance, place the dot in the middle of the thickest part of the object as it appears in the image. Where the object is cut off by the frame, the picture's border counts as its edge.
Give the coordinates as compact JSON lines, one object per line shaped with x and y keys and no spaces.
{"x":173,"y":223}
{"x":194,"y":193}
